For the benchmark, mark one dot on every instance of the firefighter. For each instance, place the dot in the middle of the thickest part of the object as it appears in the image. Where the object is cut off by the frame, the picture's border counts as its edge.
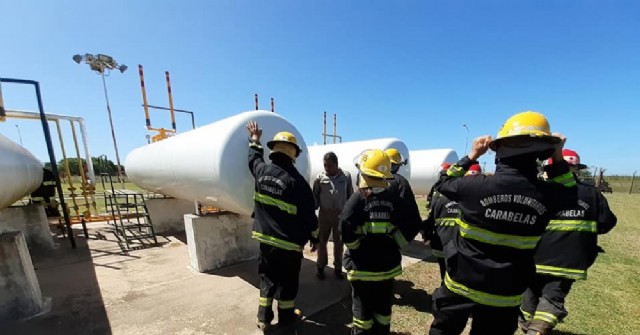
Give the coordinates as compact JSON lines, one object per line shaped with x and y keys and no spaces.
{"x":489,"y":261}
{"x":45,"y":194}
{"x":284,"y":220}
{"x":399,"y":184}
{"x":331,"y":189}
{"x":375,"y":224}
{"x":567,"y":249}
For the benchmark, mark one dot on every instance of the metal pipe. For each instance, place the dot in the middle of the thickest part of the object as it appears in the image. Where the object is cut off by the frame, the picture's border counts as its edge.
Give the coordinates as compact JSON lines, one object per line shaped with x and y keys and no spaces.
{"x":256,"y":101}
{"x":193,"y":119}
{"x":66,"y":166}
{"x":92,"y":174}
{"x":324,"y":129}
{"x":3,"y":115}
{"x":144,"y":96}
{"x":334,"y":128}
{"x":52,"y":155}
{"x":113,"y":132}
{"x":173,"y":114}
{"x":83,"y":176}
{"x":273,"y":107}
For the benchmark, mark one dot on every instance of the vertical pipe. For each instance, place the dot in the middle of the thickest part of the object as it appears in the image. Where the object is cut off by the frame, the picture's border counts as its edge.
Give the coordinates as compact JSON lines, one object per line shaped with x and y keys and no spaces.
{"x":633,"y":177}
{"x":144,"y":97}
{"x":54,"y":167}
{"x":66,"y":166}
{"x":3,"y":112}
{"x":92,"y":174}
{"x":324,"y":129}
{"x":83,"y":176}
{"x":334,"y":128}
{"x":256,"y":96}
{"x":173,"y":113}
{"x":193,"y":121}
{"x":113,"y":132}
{"x":273,"y":107}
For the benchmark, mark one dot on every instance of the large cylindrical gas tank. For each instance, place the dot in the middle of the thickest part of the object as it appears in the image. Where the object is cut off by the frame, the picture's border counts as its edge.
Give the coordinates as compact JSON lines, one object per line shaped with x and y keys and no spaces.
{"x":425,"y":168}
{"x":348,"y":151}
{"x":20,"y":172}
{"x":210,"y":164}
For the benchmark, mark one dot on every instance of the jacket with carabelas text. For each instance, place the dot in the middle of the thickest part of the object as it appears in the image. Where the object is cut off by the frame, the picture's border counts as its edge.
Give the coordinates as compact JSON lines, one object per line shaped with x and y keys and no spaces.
{"x":374,"y":226}
{"x":440,"y":225}
{"x":284,"y":214}
{"x":490,"y":260}
{"x":569,"y":246}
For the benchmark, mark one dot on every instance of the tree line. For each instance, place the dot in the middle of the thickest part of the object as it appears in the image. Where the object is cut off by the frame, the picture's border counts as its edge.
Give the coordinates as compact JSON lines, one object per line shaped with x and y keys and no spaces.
{"x":100,"y":165}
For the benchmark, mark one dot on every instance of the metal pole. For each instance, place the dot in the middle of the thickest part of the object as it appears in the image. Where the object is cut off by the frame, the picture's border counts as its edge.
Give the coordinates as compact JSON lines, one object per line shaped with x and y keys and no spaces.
{"x":173,"y":114}
{"x":324,"y":129}
{"x":3,"y":115}
{"x":466,"y":141}
{"x":144,"y":97}
{"x":113,"y":132}
{"x":52,"y":155}
{"x":256,"y":101}
{"x":83,"y":135}
{"x":334,"y":128}
{"x":193,"y":119}
{"x":19,"y":134}
{"x":273,"y":107}
{"x":633,"y":177}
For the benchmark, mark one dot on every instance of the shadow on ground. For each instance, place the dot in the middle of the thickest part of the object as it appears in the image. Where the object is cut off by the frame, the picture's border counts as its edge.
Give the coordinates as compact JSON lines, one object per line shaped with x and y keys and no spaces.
{"x":407,"y":295}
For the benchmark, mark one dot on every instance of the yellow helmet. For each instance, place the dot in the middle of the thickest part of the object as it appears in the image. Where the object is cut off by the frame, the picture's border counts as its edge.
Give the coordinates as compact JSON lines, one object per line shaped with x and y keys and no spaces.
{"x":394,"y":155}
{"x":529,"y":124}
{"x":285,"y":137}
{"x":376,"y":164}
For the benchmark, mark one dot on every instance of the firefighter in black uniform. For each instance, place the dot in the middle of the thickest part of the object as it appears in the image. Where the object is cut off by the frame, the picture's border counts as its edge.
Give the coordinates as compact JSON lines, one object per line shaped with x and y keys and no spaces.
{"x":399,"y":184}
{"x":46,"y":193}
{"x":490,"y":261}
{"x":567,"y":249}
{"x":284,"y":222}
{"x":375,"y":225}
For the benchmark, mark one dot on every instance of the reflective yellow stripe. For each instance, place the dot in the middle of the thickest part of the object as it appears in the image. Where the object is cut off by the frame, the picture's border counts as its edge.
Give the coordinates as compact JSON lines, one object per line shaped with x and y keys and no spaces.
{"x":265,"y":302}
{"x":49,"y":183}
{"x":37,"y":198}
{"x":374,"y":276}
{"x":378,"y":227}
{"x":573,"y":225}
{"x":561,"y":272}
{"x":437,"y":253}
{"x":455,"y":171}
{"x":270,"y":201}
{"x":286,"y":304}
{"x":382,"y":319}
{"x":315,"y":233}
{"x":255,"y":145}
{"x":399,"y":238}
{"x":353,"y":245}
{"x":527,"y":316}
{"x":482,"y":297}
{"x":276,"y":242}
{"x":567,"y":179}
{"x":546,"y":317}
{"x":519,"y":242}
{"x":362,"y":324}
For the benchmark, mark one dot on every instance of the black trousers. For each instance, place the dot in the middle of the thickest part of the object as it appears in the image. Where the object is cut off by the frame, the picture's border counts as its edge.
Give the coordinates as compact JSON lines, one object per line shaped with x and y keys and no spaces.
{"x":451,"y":311}
{"x":372,"y":302}
{"x":543,"y":304}
{"x":279,"y":271}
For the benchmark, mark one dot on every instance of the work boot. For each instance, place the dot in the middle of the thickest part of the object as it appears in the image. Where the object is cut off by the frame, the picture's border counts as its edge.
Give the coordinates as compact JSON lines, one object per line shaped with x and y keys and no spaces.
{"x":533,"y":332}
{"x":320,"y":274}
{"x":339,"y":274}
{"x":539,"y":327}
{"x":291,"y":321}
{"x":265,"y":327}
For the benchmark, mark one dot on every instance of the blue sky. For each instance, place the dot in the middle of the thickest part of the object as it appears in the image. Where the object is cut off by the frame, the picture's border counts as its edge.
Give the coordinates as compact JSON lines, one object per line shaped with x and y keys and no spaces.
{"x":416,"y":70}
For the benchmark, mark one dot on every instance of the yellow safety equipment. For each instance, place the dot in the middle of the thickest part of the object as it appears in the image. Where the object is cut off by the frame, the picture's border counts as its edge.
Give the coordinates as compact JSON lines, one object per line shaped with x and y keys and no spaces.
{"x":376,"y":164}
{"x":394,"y":155}
{"x":285,"y":137}
{"x":530,"y":124}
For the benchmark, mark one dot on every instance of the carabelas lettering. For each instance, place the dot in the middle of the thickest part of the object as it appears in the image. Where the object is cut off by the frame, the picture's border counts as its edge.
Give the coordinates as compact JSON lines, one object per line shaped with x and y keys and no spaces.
{"x":509,"y":216}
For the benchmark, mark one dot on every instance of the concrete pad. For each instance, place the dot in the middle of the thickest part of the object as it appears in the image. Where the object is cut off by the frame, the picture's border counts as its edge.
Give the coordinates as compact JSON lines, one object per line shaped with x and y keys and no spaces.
{"x":20,"y":294}
{"x":32,"y":221}
{"x":167,"y":214}
{"x":219,"y":239}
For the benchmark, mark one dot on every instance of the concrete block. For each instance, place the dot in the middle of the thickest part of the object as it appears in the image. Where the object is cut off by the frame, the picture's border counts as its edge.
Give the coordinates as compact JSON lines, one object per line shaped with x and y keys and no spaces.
{"x":218,"y":240}
{"x":167,"y":215}
{"x":32,"y":221}
{"x":20,"y":294}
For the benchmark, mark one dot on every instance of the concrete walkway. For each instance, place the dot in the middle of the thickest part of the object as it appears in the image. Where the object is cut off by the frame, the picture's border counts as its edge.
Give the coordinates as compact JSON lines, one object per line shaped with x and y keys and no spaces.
{"x":96,"y":289}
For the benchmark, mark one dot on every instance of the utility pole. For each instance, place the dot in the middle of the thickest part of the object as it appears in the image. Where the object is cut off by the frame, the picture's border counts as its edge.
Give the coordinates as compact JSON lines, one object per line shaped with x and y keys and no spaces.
{"x":466,"y":141}
{"x":633,"y":177}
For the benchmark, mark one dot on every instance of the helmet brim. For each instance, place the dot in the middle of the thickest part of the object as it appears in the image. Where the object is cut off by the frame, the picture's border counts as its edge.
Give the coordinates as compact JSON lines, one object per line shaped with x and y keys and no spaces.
{"x":271,"y":144}
{"x":546,"y":139}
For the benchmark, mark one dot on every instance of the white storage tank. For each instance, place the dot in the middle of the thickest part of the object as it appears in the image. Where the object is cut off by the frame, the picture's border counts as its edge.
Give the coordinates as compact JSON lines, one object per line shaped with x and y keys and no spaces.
{"x":209,"y":164}
{"x":348,"y":151}
{"x":425,"y":168}
{"x":20,"y":172}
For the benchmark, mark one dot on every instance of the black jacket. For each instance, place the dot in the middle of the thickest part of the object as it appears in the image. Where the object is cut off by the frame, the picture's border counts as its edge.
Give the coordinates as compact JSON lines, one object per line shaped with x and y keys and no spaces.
{"x":284,"y":205}
{"x":401,"y":187}
{"x":440,"y":225}
{"x":569,"y":246}
{"x":374,"y":228}
{"x":503,"y":216}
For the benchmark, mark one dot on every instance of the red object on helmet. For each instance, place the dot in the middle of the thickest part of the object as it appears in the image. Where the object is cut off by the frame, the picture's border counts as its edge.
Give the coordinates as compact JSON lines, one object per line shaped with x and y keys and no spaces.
{"x":445,"y":166}
{"x":474,"y":170}
{"x":571,"y":157}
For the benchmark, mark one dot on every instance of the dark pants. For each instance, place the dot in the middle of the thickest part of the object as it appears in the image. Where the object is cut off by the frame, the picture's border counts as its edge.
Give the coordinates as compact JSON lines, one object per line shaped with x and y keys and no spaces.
{"x":328,"y":223}
{"x":372,"y":301}
{"x":543,"y":305}
{"x":279,"y":271}
{"x":443,"y":268}
{"x":451,"y":311}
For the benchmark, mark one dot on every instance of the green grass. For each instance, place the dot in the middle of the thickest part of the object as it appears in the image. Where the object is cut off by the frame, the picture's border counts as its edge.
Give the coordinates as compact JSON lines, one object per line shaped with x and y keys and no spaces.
{"x":608,"y":303}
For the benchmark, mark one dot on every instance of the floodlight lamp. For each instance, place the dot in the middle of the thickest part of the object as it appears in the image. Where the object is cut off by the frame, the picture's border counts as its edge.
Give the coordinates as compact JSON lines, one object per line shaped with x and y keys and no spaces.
{"x":77,"y":58}
{"x":123,"y":68}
